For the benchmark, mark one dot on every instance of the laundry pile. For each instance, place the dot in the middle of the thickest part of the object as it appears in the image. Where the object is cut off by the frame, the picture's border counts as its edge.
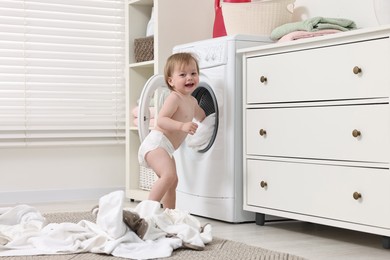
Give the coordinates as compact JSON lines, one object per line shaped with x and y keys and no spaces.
{"x":312,"y":27}
{"x":24,"y":231}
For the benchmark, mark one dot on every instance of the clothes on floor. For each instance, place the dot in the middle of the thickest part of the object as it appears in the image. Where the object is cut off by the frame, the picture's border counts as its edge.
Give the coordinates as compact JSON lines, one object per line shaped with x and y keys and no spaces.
{"x":157,"y":223}
{"x":24,"y":231}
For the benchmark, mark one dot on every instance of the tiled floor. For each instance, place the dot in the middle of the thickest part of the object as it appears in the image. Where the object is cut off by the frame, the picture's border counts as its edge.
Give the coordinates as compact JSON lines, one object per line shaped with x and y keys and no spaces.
{"x":308,"y":240}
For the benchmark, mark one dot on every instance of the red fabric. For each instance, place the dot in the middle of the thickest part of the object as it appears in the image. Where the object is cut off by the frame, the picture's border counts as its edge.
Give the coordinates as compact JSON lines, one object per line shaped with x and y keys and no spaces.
{"x":237,"y":1}
{"x":219,"y":25}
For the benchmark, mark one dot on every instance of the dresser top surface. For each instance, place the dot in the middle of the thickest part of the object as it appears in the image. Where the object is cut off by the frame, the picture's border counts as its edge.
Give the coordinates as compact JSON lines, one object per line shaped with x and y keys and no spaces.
{"x":347,"y":36}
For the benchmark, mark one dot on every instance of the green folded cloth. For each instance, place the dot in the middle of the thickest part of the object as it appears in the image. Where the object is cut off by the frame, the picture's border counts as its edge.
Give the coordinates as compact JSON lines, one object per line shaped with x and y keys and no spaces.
{"x":313,"y":24}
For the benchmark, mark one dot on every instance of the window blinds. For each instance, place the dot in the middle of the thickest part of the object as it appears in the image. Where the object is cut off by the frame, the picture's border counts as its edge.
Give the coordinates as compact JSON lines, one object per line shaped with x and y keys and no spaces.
{"x":62,"y":72}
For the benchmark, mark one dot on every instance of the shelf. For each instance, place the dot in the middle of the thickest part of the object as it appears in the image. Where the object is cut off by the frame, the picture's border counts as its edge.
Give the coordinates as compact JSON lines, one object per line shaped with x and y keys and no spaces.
{"x":138,"y":16}
{"x":135,"y":128}
{"x":143,"y":64}
{"x":140,"y":2}
{"x":137,"y":194}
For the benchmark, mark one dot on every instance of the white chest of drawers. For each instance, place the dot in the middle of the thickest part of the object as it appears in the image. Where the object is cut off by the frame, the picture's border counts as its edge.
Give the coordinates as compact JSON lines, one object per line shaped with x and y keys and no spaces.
{"x":316,"y":130}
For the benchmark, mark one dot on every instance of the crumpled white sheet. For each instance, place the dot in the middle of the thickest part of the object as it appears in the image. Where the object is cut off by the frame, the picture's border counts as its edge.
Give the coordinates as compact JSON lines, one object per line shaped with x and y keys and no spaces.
{"x":24,"y":231}
{"x":203,"y":134}
{"x":173,"y":222}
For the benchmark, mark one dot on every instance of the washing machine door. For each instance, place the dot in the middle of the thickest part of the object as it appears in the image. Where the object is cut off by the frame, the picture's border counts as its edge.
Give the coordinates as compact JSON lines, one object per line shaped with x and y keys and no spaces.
{"x":155,"y":89}
{"x":208,"y":102}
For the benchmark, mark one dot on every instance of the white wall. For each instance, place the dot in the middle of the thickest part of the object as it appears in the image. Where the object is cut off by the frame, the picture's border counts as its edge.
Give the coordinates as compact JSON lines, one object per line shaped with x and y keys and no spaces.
{"x":29,"y":175}
{"x":360,"y":11}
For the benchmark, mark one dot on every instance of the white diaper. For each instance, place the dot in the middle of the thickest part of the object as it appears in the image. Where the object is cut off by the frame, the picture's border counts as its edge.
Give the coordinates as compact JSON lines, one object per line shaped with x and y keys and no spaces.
{"x":152,"y":141}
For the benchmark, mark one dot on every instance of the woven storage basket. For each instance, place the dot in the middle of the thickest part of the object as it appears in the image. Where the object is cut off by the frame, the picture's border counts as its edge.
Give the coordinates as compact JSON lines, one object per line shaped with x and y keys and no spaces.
{"x":146,"y":178}
{"x":256,"y":17}
{"x":144,"y":49}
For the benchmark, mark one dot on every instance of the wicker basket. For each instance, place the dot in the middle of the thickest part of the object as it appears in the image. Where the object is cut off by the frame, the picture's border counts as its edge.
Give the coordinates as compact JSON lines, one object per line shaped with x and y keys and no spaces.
{"x":146,"y":178}
{"x":144,"y":49}
{"x":256,"y":17}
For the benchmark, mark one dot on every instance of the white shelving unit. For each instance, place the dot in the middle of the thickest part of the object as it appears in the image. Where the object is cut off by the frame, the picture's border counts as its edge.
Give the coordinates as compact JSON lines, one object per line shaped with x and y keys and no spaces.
{"x":175,"y":22}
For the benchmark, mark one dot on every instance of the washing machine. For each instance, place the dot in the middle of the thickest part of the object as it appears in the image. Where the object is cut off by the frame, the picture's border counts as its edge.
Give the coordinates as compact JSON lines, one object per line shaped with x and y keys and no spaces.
{"x":210,"y":175}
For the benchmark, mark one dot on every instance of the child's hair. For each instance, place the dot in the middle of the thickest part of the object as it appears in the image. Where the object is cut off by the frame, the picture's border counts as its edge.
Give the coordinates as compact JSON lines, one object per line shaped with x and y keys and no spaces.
{"x":178,"y":59}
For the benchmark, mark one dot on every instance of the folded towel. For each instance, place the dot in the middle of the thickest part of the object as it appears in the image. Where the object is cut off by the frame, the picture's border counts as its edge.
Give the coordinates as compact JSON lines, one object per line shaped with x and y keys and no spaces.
{"x":296,"y":35}
{"x":313,"y":24}
{"x":135,"y":110}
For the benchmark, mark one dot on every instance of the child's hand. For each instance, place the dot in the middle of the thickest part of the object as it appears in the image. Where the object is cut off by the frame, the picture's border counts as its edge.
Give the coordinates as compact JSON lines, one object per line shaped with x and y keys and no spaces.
{"x":190,"y":127}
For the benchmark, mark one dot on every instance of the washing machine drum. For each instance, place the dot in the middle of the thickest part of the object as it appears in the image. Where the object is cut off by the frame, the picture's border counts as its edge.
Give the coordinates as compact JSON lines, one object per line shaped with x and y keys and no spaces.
{"x":209,"y":127}
{"x":206,"y":100}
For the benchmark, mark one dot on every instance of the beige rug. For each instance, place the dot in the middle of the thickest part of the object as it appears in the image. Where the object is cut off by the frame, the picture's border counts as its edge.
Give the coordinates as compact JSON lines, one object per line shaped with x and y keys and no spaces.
{"x":217,"y":249}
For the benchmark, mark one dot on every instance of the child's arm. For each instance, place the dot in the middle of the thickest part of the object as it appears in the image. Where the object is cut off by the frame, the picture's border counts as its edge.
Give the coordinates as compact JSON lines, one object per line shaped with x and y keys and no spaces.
{"x":200,"y":115}
{"x":166,"y":113}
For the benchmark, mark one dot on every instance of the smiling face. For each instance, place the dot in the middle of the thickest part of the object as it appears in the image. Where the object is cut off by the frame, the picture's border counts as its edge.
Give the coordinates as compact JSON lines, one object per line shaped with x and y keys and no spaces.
{"x":182,"y":72}
{"x":185,"y":78}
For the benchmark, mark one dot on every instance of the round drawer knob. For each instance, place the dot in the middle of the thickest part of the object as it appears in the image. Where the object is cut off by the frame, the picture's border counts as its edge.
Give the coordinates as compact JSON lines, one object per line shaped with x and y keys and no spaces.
{"x":356,"y":70}
{"x":356,"y":133}
{"x":356,"y":195}
{"x":263,"y":184}
{"x":262,"y":132}
{"x":263,"y":79}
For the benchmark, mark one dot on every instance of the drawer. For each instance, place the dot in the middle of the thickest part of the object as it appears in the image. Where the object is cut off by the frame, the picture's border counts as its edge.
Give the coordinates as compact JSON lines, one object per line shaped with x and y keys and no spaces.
{"x":322,"y":73}
{"x":320,"y":190}
{"x":323,"y":132}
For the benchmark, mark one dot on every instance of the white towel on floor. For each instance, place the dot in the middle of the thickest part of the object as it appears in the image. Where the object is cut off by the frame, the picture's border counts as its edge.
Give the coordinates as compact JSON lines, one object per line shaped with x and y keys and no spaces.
{"x":162,"y":222}
{"x":23,"y":232}
{"x":110,"y":217}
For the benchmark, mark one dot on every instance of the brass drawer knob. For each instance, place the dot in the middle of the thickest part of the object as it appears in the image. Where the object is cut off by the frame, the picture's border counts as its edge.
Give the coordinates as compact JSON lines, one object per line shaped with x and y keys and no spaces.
{"x":356,"y":70}
{"x":356,"y":133}
{"x":262,"y":132}
{"x":263,"y":79}
{"x":263,"y":184}
{"x":356,"y":195}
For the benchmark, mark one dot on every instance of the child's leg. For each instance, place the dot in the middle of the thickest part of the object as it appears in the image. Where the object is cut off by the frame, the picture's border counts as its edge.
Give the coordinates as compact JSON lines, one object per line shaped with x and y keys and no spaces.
{"x":165,"y":187}
{"x":169,"y":199}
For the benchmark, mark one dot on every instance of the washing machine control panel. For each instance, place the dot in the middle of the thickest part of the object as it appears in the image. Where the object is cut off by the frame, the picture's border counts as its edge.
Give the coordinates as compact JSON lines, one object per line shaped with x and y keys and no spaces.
{"x":209,"y":55}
